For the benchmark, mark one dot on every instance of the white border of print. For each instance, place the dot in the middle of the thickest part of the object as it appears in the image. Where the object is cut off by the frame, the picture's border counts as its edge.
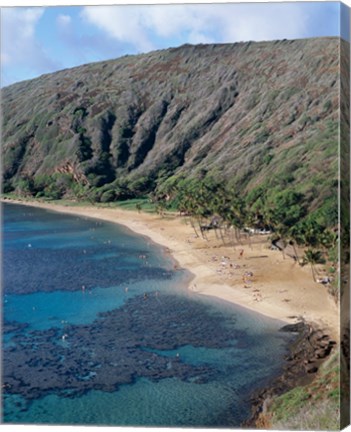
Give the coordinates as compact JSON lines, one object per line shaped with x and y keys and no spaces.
{"x":12,"y":3}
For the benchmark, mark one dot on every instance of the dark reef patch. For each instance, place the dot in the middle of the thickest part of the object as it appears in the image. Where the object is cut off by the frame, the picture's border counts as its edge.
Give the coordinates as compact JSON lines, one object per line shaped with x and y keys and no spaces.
{"x":115,"y":349}
{"x":13,"y":326}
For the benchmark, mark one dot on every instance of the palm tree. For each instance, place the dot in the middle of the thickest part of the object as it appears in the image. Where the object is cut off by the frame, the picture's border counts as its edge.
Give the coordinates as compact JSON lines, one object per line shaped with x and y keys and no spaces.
{"x":186,"y":201}
{"x":313,"y":257}
{"x":237,"y":215}
{"x":219,"y":207}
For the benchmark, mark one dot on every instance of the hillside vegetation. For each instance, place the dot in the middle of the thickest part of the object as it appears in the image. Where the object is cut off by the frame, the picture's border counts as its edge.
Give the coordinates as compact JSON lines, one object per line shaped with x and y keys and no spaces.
{"x":315,"y":406}
{"x":258,"y":114}
{"x":256,"y":124}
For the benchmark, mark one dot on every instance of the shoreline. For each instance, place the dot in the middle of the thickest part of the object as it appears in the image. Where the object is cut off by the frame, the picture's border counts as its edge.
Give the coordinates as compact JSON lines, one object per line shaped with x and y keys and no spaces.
{"x":258,"y":279}
{"x":307,"y":352}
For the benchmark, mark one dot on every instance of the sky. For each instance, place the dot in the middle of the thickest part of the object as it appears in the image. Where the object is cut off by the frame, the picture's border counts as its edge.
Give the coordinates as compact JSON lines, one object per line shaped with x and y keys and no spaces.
{"x":39,"y":40}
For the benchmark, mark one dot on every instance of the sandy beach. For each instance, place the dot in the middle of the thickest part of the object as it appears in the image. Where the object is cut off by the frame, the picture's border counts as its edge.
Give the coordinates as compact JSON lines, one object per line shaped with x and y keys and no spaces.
{"x":250,"y":275}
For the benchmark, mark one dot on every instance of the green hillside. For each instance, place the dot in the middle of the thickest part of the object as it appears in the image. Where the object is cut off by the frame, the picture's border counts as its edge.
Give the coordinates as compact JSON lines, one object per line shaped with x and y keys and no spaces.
{"x":260,"y":118}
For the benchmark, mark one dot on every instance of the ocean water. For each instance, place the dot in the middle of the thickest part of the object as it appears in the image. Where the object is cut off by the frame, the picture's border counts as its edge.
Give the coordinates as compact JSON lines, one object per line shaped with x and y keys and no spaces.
{"x":100,"y":329}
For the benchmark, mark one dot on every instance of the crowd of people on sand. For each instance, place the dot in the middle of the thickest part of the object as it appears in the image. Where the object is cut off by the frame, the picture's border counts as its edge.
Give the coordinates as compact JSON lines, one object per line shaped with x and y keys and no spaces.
{"x":227,"y":269}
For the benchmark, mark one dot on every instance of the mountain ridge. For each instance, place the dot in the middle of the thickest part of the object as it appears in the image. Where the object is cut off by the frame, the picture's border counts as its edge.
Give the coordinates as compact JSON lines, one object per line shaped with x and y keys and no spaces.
{"x":256,"y":114}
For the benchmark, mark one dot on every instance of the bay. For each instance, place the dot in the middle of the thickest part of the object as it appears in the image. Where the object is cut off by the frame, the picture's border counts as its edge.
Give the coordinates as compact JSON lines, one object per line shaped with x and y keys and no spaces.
{"x":99,"y":329}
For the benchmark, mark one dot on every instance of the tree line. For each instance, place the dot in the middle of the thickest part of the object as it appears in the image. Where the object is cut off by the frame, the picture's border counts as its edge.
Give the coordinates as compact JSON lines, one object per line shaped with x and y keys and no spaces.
{"x":213,"y":203}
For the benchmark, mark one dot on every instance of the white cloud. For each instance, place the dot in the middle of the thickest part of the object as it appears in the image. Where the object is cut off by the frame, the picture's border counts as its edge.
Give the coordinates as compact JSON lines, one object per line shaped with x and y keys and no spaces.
{"x":64,"y":20}
{"x":264,"y":22}
{"x":144,"y":26}
{"x":167,"y":21}
{"x":82,"y":44}
{"x":17,"y":30}
{"x":125,"y":23}
{"x":199,"y":38}
{"x":19,"y":47}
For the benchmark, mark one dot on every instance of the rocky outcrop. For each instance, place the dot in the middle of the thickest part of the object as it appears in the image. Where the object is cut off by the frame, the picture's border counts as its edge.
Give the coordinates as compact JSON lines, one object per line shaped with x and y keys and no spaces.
{"x":309,"y":349}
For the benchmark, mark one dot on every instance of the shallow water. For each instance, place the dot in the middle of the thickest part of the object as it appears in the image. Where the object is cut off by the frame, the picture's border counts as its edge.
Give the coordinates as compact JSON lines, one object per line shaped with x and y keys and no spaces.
{"x":99,"y":329}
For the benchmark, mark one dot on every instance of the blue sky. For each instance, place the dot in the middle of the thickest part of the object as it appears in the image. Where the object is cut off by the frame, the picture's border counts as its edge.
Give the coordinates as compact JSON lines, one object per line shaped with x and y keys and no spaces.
{"x":38,"y":40}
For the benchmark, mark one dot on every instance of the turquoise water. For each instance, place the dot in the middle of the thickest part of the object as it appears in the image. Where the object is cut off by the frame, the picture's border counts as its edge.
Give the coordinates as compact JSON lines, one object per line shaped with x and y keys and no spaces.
{"x":99,"y":329}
